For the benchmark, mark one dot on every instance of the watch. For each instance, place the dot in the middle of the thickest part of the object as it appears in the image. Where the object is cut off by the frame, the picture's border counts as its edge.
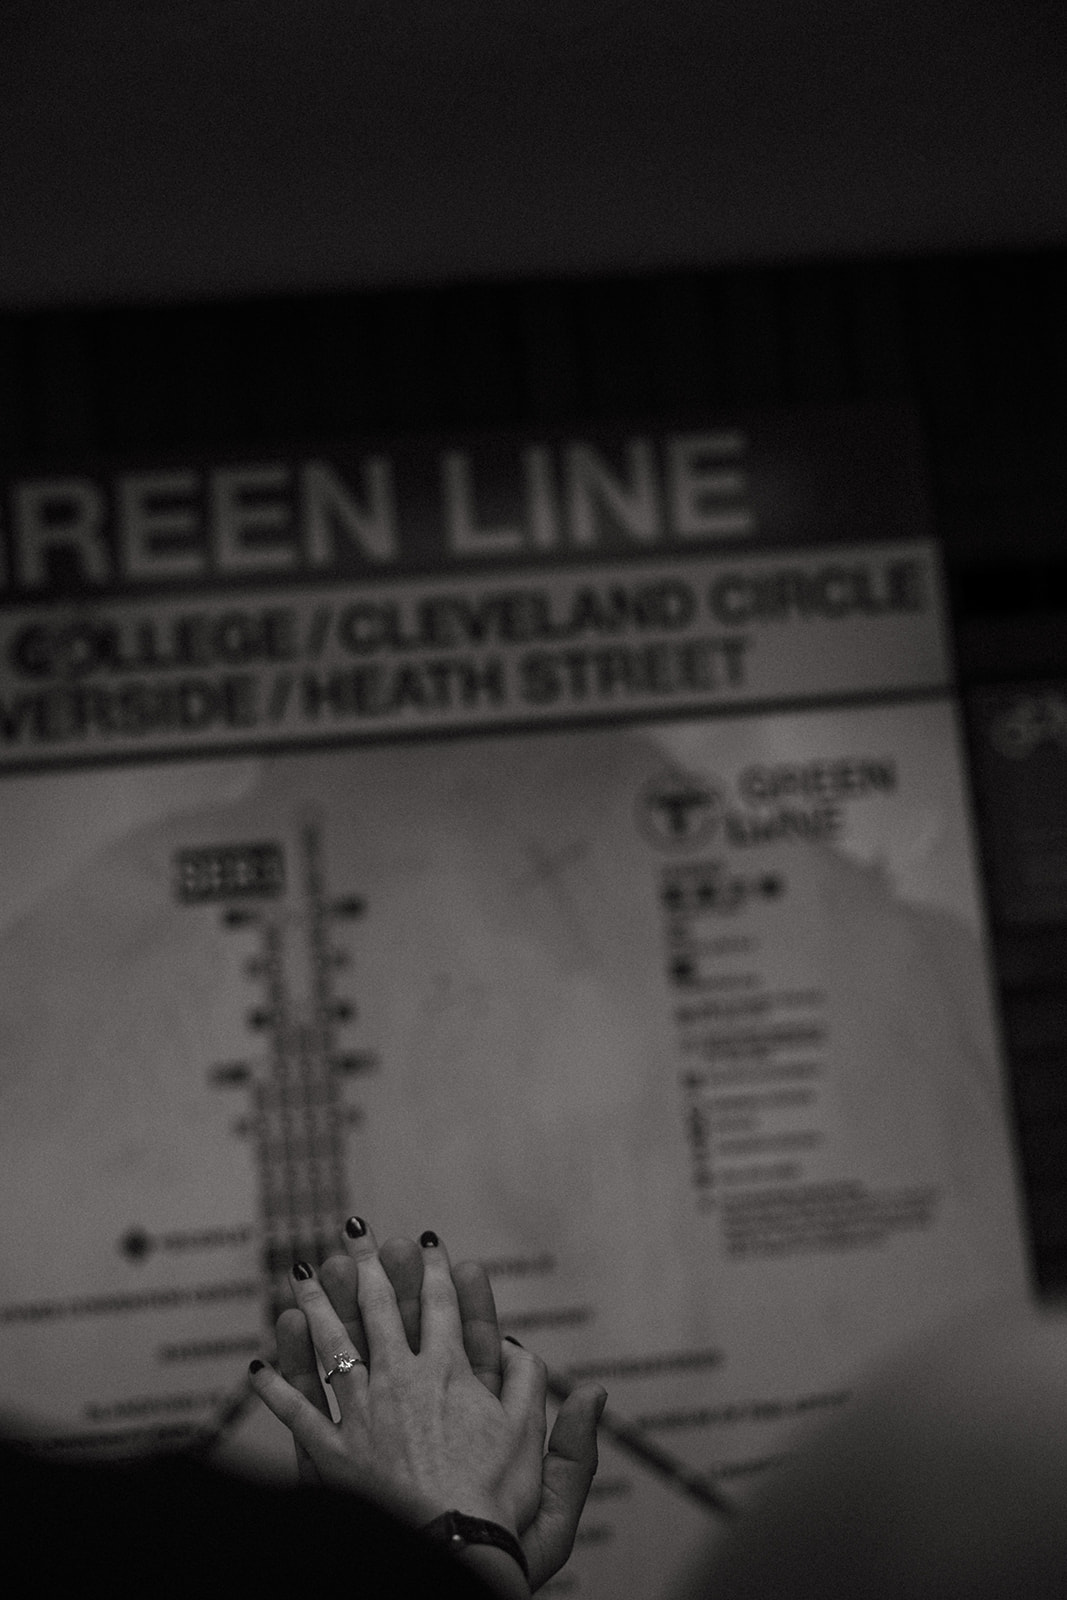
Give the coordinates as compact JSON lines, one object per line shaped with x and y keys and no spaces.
{"x":456,"y":1530}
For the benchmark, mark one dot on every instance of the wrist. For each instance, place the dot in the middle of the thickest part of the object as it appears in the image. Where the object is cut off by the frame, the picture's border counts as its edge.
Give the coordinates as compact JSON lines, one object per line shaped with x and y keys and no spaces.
{"x":465,"y":1534}
{"x":468,"y":1506}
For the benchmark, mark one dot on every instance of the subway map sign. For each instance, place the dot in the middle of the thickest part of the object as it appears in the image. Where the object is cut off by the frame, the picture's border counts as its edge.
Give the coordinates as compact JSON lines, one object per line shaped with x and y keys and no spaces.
{"x":562,"y":842}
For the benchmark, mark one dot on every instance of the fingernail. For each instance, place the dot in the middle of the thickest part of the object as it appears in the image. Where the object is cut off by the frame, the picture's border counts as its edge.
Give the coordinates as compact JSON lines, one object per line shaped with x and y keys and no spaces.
{"x":510,"y":1340}
{"x":256,"y":1366}
{"x":428,"y":1239}
{"x":302,"y":1271}
{"x":355,"y":1227}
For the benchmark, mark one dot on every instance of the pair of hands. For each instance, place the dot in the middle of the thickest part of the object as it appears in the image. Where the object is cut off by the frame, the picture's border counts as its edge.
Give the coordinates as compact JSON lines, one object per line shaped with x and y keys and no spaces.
{"x":441,"y":1413}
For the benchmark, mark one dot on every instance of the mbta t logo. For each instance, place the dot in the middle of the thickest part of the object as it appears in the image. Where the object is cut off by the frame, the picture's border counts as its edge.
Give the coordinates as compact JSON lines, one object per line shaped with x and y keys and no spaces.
{"x":678,"y":810}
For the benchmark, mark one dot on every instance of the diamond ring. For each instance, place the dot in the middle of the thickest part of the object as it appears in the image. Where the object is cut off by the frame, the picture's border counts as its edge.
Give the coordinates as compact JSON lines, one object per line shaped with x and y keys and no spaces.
{"x":345,"y":1363}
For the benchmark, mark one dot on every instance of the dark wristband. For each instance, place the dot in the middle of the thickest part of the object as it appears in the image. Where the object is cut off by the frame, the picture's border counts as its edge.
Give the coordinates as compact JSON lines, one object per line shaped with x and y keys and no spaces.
{"x":456,"y":1531}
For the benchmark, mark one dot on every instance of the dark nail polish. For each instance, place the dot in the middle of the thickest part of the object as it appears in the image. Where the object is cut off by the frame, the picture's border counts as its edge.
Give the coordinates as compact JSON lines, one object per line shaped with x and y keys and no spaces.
{"x":510,"y":1340}
{"x":355,"y":1227}
{"x":428,"y":1239}
{"x":302,"y":1271}
{"x":256,"y":1366}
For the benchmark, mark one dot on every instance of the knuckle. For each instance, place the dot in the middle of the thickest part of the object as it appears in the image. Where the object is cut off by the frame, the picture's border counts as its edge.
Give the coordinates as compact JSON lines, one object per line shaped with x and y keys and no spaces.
{"x":290,"y":1407}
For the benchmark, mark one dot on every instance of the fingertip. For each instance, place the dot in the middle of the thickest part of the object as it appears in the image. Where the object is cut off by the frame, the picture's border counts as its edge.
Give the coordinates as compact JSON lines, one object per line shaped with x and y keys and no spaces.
{"x":399,"y":1245}
{"x":515,"y":1355}
{"x":337,"y":1260}
{"x":434,"y":1250}
{"x":588,"y":1401}
{"x":523,"y":1367}
{"x":338,"y":1275}
{"x":360,"y":1247}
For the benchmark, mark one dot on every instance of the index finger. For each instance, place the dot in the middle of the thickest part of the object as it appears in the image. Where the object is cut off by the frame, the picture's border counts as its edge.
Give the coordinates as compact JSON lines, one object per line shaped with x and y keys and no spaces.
{"x":296,"y":1361}
{"x":481,"y":1330}
{"x":402,"y":1260}
{"x":441,"y":1326}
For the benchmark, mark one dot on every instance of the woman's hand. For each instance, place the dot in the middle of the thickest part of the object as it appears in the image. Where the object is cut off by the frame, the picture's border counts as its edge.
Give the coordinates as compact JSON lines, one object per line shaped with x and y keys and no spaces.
{"x":443,"y":1416}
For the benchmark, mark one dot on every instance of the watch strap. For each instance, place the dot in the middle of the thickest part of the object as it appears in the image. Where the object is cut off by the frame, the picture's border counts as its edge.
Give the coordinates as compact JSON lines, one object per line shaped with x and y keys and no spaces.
{"x":456,"y":1530}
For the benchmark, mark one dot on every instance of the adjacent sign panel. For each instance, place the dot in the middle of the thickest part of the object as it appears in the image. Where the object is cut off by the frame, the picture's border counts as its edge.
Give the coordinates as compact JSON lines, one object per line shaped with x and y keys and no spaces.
{"x":611,"y":910}
{"x":1019,"y":737}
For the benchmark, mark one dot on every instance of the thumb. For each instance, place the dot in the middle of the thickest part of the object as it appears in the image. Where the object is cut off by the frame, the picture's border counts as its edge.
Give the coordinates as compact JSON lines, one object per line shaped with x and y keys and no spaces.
{"x":567,"y":1472}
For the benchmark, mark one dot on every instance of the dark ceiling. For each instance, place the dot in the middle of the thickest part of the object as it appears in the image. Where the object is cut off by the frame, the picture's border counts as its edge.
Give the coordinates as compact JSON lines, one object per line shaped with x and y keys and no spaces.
{"x":178,"y":149}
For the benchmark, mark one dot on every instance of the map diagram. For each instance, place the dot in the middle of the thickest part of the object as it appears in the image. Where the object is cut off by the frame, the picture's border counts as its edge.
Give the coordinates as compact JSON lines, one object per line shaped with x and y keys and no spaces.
{"x":298,"y":1116}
